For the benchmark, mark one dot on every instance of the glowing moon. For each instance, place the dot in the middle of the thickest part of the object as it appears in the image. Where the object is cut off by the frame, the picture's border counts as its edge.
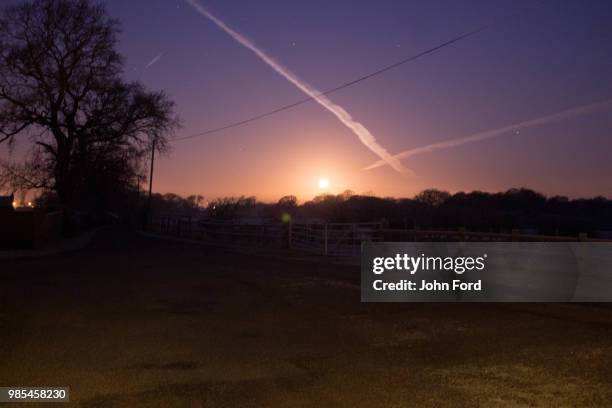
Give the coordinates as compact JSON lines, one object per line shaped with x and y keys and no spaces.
{"x":323,"y":183}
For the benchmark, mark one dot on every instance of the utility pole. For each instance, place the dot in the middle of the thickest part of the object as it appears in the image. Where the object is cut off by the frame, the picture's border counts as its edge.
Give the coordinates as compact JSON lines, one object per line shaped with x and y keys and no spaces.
{"x":148,"y":220}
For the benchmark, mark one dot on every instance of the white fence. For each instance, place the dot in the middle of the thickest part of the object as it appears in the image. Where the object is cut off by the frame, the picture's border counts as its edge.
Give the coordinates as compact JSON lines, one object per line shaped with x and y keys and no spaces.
{"x":330,"y":239}
{"x":337,"y":239}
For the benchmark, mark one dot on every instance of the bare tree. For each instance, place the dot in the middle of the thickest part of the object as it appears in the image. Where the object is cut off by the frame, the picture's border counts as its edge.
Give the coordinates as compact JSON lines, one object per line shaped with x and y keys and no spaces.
{"x":61,"y":90}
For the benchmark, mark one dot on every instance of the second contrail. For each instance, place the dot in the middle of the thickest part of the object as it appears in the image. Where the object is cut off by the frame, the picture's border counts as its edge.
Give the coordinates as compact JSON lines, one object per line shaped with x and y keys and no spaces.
{"x":555,"y":117}
{"x":343,"y":116}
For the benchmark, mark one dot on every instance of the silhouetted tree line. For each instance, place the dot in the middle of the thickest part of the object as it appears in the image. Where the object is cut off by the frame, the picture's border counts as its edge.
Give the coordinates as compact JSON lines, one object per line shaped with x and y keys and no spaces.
{"x":521,"y":209}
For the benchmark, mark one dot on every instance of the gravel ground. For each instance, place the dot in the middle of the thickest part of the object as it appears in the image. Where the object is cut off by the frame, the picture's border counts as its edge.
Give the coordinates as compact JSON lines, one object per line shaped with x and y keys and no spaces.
{"x":135,"y":321}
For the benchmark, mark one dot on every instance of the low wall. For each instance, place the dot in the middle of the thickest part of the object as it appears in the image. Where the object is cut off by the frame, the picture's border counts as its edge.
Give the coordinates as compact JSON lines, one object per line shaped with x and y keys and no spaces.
{"x":29,"y":229}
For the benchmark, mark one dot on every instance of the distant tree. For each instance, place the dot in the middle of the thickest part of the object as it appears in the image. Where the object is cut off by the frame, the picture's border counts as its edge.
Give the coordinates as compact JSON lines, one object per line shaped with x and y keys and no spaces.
{"x":432,"y":197}
{"x":347,"y":194}
{"x":559,"y":199}
{"x":285,"y":209}
{"x":288,"y":202}
{"x":61,"y":90}
{"x":195,"y":200}
{"x":524,"y":200}
{"x":230,"y":207}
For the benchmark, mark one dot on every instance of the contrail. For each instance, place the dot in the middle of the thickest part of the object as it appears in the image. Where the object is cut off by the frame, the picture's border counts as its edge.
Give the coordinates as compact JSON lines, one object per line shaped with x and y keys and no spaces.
{"x":154,"y":60}
{"x":357,"y":128}
{"x":556,"y":117}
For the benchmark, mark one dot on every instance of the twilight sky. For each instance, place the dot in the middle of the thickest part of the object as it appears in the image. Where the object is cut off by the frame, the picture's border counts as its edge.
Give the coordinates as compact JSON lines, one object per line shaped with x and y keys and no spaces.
{"x":536,"y":59}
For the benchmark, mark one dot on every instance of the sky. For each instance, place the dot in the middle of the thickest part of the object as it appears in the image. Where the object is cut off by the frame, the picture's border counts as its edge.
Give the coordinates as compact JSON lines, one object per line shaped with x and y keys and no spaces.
{"x":534,"y":59}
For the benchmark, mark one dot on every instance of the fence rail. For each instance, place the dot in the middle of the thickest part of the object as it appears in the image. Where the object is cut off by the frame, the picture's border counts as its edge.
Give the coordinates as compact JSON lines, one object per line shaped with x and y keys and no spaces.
{"x":331,"y":239}
{"x":222,"y":233}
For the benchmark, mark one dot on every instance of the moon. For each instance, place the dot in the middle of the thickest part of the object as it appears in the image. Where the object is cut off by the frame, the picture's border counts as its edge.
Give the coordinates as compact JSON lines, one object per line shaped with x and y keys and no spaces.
{"x":323,"y":183}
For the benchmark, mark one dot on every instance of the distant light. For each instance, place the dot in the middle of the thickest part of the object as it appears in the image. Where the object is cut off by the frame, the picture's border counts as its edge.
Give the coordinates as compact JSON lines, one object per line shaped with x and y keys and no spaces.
{"x":323,"y":183}
{"x":14,"y":204}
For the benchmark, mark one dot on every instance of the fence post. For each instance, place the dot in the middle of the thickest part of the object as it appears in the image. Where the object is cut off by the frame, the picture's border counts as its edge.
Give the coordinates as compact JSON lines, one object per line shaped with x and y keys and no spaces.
{"x":289,"y":231}
{"x":462,"y":232}
{"x":384,"y":225}
{"x":325,"y":241}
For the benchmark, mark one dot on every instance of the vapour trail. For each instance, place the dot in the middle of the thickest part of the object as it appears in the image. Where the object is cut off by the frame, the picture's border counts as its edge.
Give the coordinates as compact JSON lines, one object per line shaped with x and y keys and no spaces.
{"x":556,"y":117}
{"x":343,"y":116}
{"x":154,"y":60}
